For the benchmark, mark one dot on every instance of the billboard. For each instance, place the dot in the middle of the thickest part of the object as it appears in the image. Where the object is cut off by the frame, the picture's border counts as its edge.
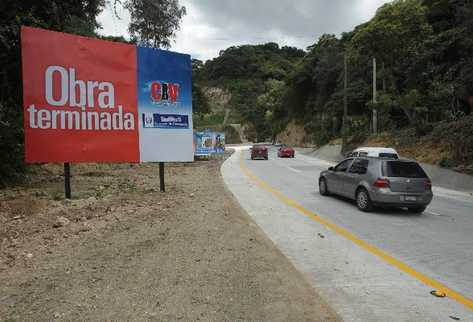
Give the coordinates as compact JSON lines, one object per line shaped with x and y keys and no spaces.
{"x":219,"y":143}
{"x":164,"y":105}
{"x":89,"y":100}
{"x":207,"y":143}
{"x":203,"y":143}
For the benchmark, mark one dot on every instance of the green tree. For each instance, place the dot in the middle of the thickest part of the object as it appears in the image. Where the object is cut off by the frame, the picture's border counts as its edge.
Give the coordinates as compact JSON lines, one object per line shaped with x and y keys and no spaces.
{"x":424,"y":51}
{"x":270,"y":101}
{"x":251,"y":73}
{"x":396,"y":37}
{"x":451,"y":49}
{"x":154,"y":22}
{"x":315,"y":93}
{"x":200,"y":103}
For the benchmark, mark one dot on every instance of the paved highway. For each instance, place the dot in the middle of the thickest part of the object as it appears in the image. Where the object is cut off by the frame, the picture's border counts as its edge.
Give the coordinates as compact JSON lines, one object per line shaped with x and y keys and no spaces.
{"x":361,"y":284}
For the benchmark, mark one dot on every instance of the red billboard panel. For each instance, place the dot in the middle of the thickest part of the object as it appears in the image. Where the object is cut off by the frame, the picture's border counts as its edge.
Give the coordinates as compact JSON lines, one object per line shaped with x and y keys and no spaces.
{"x":79,"y":98}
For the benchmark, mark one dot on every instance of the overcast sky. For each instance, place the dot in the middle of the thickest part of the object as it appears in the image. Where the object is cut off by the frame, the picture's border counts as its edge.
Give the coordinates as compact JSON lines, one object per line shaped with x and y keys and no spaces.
{"x":212,"y":25}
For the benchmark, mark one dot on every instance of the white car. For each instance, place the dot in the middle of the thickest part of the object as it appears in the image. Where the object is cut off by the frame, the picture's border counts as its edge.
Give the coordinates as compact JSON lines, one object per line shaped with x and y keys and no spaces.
{"x":375,"y":152}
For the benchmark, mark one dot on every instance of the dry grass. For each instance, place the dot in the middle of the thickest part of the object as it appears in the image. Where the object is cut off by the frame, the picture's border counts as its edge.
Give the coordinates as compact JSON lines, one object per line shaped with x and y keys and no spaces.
{"x":428,"y":152}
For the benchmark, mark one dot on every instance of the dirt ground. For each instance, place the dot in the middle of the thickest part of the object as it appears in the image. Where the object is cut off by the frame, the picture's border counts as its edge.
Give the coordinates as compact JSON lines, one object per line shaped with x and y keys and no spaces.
{"x":120,"y":250}
{"x":294,"y":134}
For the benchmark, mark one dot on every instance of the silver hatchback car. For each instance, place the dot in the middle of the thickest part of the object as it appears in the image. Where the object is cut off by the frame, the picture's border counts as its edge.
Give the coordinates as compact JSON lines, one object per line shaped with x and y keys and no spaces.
{"x":379,"y":182}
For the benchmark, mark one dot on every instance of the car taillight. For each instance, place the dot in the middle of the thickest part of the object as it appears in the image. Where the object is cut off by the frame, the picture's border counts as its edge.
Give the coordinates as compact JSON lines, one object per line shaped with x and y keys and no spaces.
{"x":382,"y":183}
{"x":428,"y":185}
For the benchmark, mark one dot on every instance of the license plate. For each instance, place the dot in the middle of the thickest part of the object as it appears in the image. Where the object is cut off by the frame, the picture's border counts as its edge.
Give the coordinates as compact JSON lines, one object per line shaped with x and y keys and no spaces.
{"x":410,"y":198}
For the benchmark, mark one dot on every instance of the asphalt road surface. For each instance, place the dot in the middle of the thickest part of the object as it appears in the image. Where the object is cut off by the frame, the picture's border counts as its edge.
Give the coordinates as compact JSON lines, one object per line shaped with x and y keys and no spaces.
{"x":361,"y":284}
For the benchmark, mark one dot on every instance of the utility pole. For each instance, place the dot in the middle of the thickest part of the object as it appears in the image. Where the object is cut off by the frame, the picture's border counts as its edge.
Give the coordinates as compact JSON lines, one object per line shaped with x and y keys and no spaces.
{"x":375,"y":111}
{"x":345,"y":102}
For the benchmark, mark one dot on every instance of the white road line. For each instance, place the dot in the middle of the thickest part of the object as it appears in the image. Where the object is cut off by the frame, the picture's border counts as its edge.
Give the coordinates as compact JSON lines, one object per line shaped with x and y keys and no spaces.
{"x":316,"y":161}
{"x":434,"y":213}
{"x":284,"y":164}
{"x":292,"y":169}
{"x":453,"y":194}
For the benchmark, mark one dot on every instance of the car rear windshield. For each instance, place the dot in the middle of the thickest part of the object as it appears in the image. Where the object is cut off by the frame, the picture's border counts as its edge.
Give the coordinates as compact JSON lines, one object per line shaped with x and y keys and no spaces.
{"x":403,"y":169}
{"x":388,"y":155}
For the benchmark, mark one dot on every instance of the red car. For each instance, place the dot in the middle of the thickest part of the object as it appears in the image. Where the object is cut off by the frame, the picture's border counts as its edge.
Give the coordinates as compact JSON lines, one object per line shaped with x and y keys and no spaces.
{"x":286,"y":151}
{"x":259,"y":152}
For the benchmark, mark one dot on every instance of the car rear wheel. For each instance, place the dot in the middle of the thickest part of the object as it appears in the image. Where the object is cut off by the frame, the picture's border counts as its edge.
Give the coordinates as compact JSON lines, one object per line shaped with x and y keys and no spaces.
{"x":416,"y":210}
{"x":323,"y":189}
{"x":363,"y":201}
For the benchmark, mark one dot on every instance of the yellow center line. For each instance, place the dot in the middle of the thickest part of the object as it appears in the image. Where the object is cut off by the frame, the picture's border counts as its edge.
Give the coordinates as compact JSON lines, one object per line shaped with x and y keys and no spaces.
{"x":348,"y":235}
